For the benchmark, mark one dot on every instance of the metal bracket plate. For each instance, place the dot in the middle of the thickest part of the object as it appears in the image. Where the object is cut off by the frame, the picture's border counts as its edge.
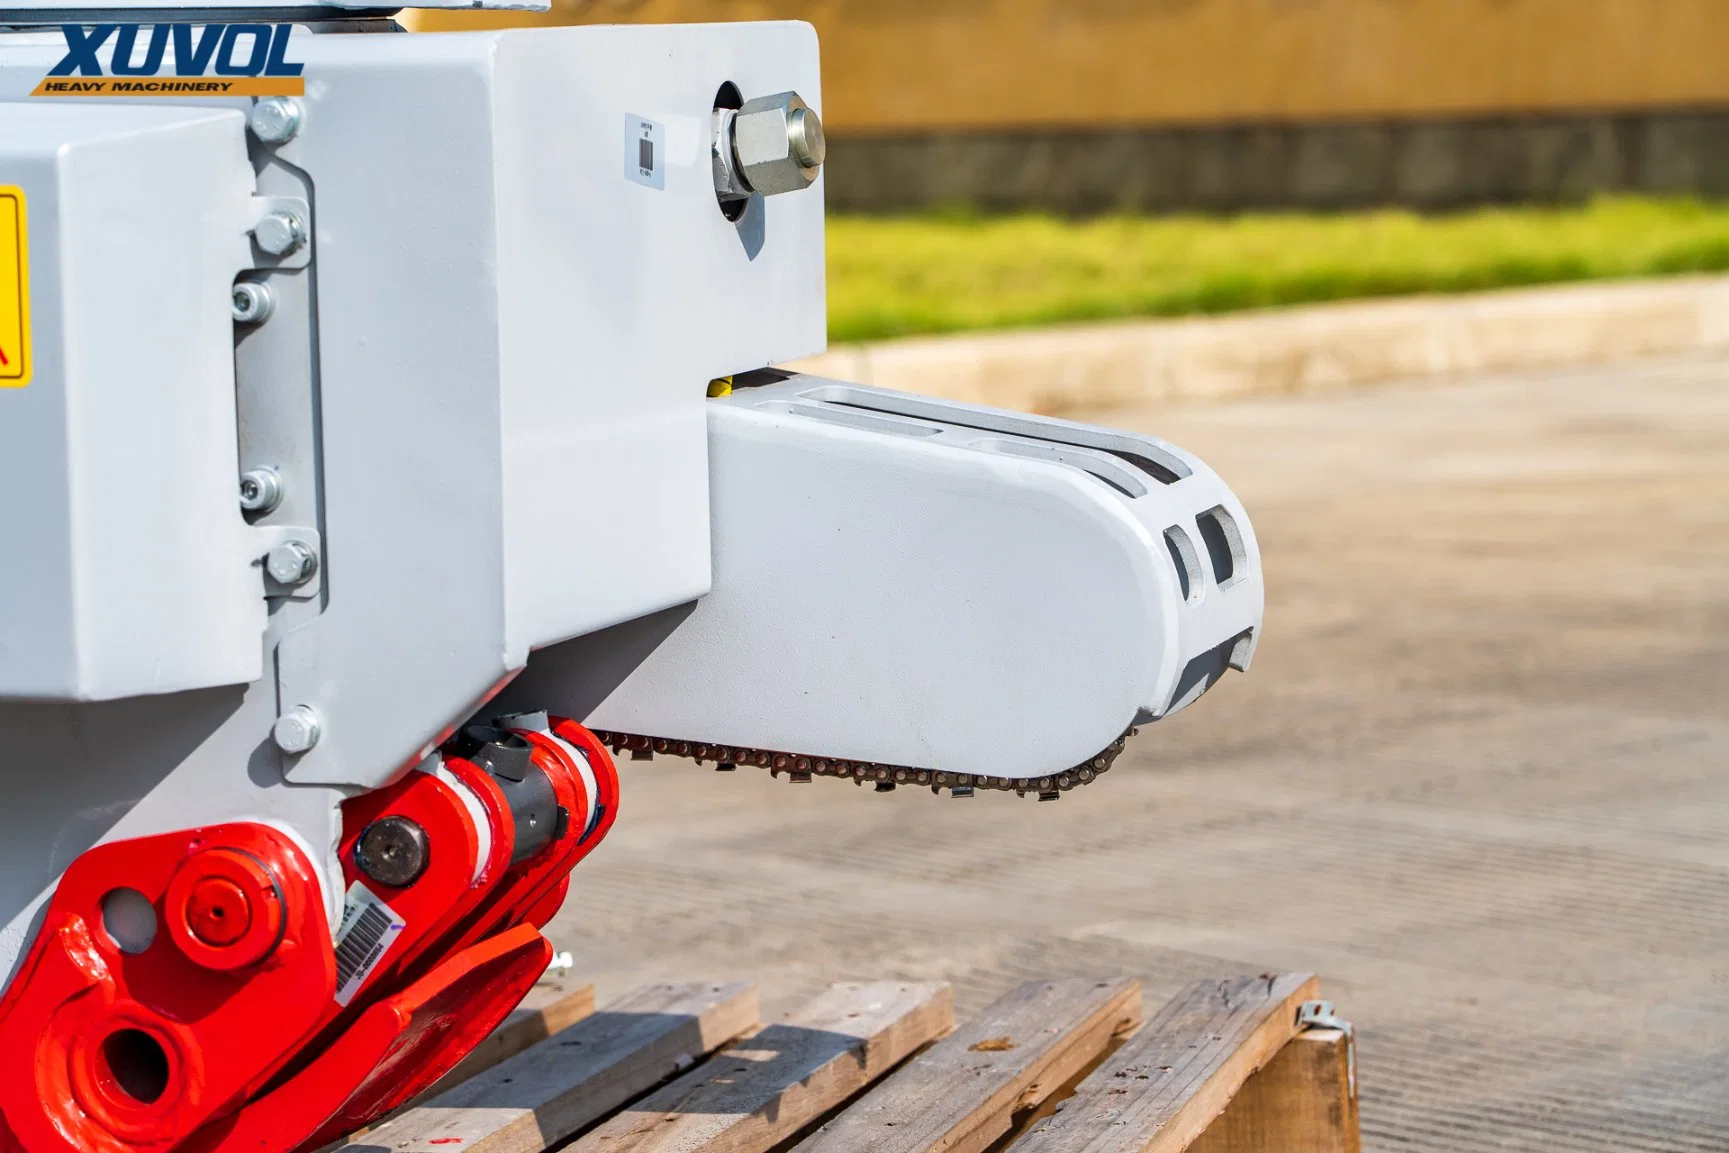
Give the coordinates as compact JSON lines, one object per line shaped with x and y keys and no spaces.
{"x":1320,"y":1015}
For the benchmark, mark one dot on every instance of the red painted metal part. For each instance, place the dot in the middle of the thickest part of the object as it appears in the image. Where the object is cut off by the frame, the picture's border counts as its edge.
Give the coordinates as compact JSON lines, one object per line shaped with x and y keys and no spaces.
{"x":546,"y":906}
{"x":396,"y":1049}
{"x":526,"y":882}
{"x":103,"y":1051}
{"x":440,"y":897}
{"x":605,"y":773}
{"x":222,"y":1034}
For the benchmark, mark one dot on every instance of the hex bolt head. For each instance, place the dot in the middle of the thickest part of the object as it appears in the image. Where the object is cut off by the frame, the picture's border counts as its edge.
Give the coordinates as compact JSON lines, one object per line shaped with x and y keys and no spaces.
{"x":392,"y":851}
{"x":280,"y":233}
{"x":260,"y":490}
{"x":252,"y":302}
{"x":809,"y":141}
{"x":291,"y":563}
{"x":296,"y":730}
{"x":779,"y":144}
{"x":275,"y":119}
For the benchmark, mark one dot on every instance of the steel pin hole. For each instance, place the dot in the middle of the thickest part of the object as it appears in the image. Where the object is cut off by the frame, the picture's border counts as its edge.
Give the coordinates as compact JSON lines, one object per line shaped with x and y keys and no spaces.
{"x":135,"y":1066}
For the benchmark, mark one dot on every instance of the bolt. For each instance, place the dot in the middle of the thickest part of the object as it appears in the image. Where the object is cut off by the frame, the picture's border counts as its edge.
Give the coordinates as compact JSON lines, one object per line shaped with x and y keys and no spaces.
{"x":775,"y":144}
{"x":274,"y":120}
{"x":260,"y":490}
{"x":392,"y":851}
{"x":252,"y":302}
{"x":809,"y":142}
{"x":291,"y":563}
{"x":296,"y":730}
{"x":280,"y":233}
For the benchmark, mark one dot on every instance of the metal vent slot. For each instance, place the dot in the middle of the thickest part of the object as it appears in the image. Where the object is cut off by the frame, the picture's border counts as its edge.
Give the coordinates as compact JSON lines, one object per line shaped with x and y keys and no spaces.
{"x":857,"y":420}
{"x":1146,"y":458}
{"x":1100,"y":466}
{"x":1224,"y":543}
{"x":1187,"y":562}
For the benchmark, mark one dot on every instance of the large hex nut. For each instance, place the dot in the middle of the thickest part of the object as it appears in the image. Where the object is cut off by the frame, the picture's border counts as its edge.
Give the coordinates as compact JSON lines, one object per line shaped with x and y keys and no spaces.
{"x":779,"y":144}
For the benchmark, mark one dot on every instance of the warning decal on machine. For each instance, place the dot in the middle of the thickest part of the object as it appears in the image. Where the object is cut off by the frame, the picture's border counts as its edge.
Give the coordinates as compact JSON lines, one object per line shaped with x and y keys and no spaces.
{"x":14,"y":291}
{"x":369,"y":927}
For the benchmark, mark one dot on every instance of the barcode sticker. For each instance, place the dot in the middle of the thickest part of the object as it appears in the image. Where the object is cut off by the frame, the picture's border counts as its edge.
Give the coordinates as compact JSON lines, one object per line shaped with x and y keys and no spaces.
{"x":369,"y":927}
{"x":645,"y":151}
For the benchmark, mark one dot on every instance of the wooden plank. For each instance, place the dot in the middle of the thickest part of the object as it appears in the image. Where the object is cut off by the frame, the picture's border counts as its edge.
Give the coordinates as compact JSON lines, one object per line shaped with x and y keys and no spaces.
{"x":552,"y":1089}
{"x":961,"y":1095}
{"x":1164,"y":1087}
{"x":550,"y":1007}
{"x":759,"y":1091}
{"x":552,"y":1004}
{"x":1300,"y":1103}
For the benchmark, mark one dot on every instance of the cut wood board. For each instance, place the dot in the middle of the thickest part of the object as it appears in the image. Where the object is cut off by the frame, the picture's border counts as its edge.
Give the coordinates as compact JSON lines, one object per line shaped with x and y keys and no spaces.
{"x":1162,"y":1089}
{"x":550,"y":1006}
{"x":554,"y":1088}
{"x":761,"y":1090}
{"x":962,"y":1094}
{"x":1302,"y":1102}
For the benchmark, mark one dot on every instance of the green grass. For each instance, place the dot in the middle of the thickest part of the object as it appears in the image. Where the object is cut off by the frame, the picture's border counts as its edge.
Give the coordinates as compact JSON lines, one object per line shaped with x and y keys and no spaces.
{"x":897,"y":276}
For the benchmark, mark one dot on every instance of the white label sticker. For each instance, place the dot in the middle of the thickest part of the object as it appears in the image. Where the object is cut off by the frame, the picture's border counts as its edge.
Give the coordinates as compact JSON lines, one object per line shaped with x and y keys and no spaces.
{"x":645,"y":151}
{"x":369,"y":927}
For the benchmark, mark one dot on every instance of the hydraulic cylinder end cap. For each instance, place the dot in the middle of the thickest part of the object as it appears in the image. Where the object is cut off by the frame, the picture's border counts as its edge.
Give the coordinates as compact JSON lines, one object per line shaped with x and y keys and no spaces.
{"x":225,"y":909}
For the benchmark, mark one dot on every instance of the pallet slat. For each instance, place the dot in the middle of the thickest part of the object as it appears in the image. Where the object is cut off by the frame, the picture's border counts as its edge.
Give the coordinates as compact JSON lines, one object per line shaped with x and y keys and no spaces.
{"x":552,"y":1089}
{"x":1302,"y":1102}
{"x":961,"y":1095}
{"x":548,"y":1009}
{"x":761,"y":1090}
{"x":1162,"y":1089}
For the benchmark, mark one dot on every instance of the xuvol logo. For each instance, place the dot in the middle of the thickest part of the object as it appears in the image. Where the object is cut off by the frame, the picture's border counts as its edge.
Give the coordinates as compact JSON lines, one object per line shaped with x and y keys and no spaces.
{"x":174,"y":60}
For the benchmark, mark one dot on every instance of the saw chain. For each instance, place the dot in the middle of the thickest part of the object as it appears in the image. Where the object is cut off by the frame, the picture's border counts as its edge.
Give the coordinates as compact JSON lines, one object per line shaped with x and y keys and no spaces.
{"x":801,"y":769}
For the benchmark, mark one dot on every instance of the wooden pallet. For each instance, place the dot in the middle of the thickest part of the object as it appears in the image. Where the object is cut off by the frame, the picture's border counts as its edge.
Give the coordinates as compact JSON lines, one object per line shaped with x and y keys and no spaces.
{"x":1227,"y":1066}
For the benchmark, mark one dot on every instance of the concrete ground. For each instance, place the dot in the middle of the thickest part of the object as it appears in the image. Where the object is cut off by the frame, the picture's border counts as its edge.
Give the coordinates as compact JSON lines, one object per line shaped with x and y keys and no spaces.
{"x":1478,"y":780}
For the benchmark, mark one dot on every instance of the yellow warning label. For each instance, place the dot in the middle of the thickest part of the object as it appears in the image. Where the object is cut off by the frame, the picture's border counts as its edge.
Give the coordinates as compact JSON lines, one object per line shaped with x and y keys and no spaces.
{"x":14,"y":291}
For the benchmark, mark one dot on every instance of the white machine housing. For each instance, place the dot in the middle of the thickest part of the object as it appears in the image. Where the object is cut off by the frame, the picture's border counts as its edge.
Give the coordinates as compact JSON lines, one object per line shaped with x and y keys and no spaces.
{"x":483,"y":386}
{"x":128,"y":568}
{"x":876,"y":597}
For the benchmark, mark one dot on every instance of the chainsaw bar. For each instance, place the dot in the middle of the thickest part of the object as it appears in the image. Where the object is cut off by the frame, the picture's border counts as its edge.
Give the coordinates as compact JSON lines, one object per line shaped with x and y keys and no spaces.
{"x":800,"y":769}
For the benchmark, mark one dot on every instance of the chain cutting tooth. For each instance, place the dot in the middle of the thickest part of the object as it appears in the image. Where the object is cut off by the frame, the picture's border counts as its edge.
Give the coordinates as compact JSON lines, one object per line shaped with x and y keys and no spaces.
{"x":800,"y":768}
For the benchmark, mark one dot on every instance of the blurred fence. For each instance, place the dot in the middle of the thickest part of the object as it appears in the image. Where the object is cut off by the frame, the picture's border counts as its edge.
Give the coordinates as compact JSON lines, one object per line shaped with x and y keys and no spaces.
{"x":1082,"y":105}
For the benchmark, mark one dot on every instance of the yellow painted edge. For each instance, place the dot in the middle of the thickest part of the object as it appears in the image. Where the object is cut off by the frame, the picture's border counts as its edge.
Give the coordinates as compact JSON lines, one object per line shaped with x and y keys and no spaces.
{"x":20,"y":378}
